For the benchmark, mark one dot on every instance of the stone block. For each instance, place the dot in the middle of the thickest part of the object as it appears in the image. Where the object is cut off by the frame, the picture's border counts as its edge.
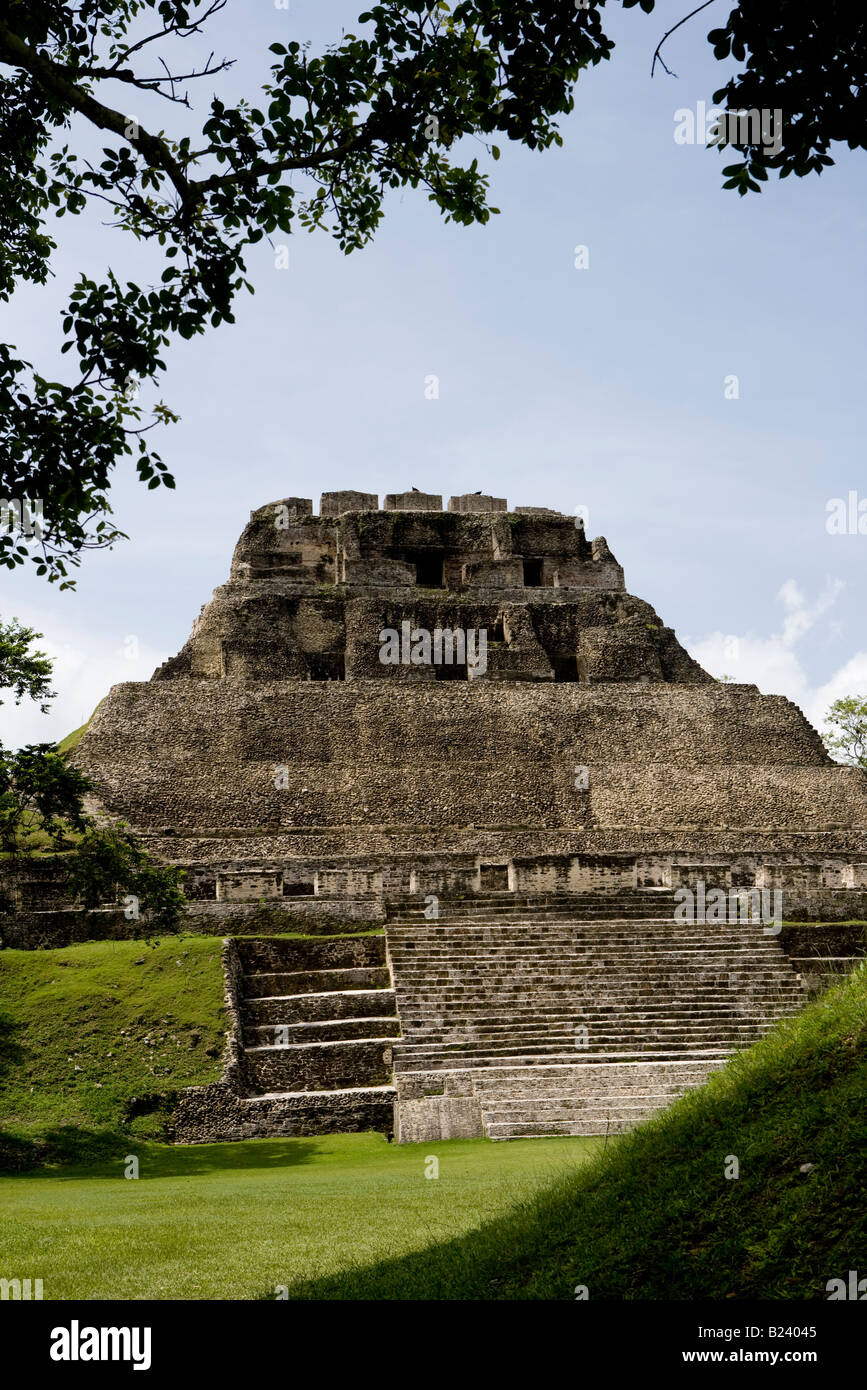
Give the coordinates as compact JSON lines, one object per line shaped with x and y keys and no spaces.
{"x":538,"y":511}
{"x":477,"y":502}
{"x":412,"y":502}
{"x":336,"y":503}
{"x":493,"y":574}
{"x":438,"y":1117}
{"x":247,"y":887}
{"x":295,"y":506}
{"x":387,"y":574}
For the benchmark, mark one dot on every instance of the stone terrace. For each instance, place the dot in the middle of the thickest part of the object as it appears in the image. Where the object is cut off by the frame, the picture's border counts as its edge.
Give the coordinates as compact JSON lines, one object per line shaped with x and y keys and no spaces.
{"x":576,"y":1015}
{"x":586,"y":770}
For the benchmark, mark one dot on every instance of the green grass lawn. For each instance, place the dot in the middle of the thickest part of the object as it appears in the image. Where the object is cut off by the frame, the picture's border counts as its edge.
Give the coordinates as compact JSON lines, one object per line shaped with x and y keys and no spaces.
{"x":238,"y":1220}
{"x":93,"y":1036}
{"x":655,"y":1217}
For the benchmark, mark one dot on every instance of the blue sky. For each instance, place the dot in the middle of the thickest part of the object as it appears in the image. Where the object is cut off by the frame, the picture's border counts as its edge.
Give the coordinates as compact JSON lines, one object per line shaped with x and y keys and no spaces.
{"x":601,"y":387}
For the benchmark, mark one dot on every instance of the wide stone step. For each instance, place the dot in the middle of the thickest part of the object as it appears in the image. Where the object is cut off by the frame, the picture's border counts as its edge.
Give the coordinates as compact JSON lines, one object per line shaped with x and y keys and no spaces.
{"x":545,"y":1129}
{"x":442,"y":1060}
{"x":593,"y":1012}
{"x":302,"y":1008}
{"x":566,"y":1035}
{"x":621,"y":926}
{"x":581,"y":1079}
{"x":568,"y":954}
{"x":502,"y":993}
{"x":309,"y":953}
{"x":461,"y":1045}
{"x":325,"y":1030}
{"x":571,"y":1107}
{"x":318,"y":1066}
{"x":593,"y":943}
{"x":579,"y":1035}
{"x":592,"y":936}
{"x":593,"y":946}
{"x":513,"y":906}
{"x":597,"y":955}
{"x":345,"y":1111}
{"x":681,"y":1016}
{"x":506,"y":902}
{"x":266,"y":984}
{"x":541,"y":919}
{"x":725,"y":965}
{"x":436,"y":1030}
{"x":565,"y":970}
{"x":608,"y":981}
{"x":589,"y":938}
{"x":504,"y":899}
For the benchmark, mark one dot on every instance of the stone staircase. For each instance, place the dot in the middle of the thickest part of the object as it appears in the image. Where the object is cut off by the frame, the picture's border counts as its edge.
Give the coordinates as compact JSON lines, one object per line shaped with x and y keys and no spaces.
{"x":570,"y":1014}
{"x":317,"y":1020}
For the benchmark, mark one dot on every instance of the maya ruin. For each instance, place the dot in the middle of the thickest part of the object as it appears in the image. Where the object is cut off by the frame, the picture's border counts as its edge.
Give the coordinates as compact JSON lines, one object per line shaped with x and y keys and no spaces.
{"x":523,"y":827}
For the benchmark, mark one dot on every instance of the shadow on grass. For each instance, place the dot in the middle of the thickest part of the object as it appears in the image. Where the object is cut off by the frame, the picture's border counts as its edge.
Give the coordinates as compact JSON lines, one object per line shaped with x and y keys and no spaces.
{"x":196,"y":1160}
{"x":59,"y":1147}
{"x":70,"y":1152}
{"x":491,"y":1262}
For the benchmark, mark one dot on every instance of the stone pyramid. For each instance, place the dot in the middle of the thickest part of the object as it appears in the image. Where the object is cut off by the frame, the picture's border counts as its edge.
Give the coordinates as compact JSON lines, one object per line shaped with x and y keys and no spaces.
{"x":279,"y":754}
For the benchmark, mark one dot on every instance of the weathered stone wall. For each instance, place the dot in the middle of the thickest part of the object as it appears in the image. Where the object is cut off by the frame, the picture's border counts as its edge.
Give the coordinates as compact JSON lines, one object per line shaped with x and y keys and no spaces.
{"x":264,"y":633}
{"x":332,"y":1088}
{"x":217,"y":1114}
{"x":206,"y":756}
{"x":277,"y":757}
{"x":848,"y":940}
{"x":453,"y":877}
{"x":308,"y":595}
{"x":50,"y":928}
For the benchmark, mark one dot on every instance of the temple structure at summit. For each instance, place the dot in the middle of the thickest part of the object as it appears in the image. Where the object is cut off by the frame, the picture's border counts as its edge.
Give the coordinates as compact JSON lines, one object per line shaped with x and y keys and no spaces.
{"x":537,"y":742}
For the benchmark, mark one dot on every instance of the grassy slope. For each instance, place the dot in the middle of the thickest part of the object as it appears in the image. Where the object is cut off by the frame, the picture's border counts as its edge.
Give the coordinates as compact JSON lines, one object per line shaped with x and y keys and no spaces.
{"x":655,"y":1217}
{"x":72,"y":740}
{"x":237,"y":1220}
{"x":136,"y":1020}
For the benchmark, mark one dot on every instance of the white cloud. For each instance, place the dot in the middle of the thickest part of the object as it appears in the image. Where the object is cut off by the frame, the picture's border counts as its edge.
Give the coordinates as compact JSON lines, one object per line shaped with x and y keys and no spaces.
{"x":86,"y":666}
{"x":774,"y":664}
{"x":851,"y":679}
{"x":801,"y":616}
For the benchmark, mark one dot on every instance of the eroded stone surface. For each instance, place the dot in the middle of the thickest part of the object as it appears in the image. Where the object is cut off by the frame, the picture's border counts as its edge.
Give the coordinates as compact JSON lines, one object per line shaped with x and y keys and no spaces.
{"x":299,"y":778}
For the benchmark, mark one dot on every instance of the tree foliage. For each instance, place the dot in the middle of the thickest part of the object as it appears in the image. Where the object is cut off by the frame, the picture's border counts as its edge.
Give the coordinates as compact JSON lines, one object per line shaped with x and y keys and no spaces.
{"x":396,"y":104}
{"x":846,"y":736}
{"x":22,"y":670}
{"x":42,"y":810}
{"x":39,"y":791}
{"x":109,"y":864}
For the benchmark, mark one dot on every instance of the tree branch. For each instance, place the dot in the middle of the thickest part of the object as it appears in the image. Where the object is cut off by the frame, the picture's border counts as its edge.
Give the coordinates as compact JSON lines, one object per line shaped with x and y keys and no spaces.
{"x":263,"y":167}
{"x":18,"y":54}
{"x":149,"y":83}
{"x":182,"y":30}
{"x":657,"y":55}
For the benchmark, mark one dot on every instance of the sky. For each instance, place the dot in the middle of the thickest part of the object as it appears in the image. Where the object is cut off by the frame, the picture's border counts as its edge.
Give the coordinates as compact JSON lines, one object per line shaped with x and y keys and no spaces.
{"x":605,"y":385}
